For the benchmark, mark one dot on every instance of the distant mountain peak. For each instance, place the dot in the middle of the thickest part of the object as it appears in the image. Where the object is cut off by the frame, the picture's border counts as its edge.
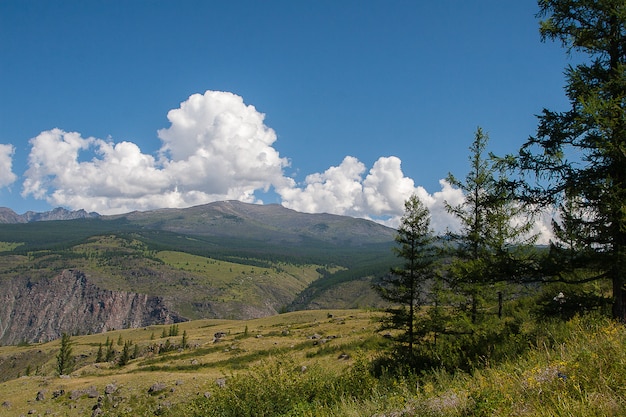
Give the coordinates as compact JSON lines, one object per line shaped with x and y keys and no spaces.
{"x":9,"y":216}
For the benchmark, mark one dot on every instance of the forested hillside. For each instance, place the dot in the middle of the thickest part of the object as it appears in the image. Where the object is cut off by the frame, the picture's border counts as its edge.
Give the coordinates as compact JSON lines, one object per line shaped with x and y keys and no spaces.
{"x":223,"y":260}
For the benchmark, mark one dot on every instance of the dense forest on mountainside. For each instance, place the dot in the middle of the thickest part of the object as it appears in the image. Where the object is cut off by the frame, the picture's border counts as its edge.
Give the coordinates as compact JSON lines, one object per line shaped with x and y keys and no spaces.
{"x":223,"y":260}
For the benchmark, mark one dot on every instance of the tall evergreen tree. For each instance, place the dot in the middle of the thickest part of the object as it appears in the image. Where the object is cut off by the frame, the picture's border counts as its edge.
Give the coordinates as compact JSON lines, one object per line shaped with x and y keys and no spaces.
{"x":110,"y":352}
{"x":404,"y":286}
{"x":185,"y":341}
{"x":100,"y":354}
{"x":579,"y":155}
{"x":492,"y":246}
{"x":65,"y":360}
{"x":125,"y":355}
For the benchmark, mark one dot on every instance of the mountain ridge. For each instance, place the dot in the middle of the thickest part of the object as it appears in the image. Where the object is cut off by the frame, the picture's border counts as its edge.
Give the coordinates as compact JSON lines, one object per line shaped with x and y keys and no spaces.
{"x":8,"y":216}
{"x":228,"y":211}
{"x":271,"y":223}
{"x":225,"y":259}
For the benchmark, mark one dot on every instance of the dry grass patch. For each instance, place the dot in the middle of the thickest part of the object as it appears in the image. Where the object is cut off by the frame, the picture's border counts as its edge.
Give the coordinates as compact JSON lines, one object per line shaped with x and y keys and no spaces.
{"x":310,"y":338}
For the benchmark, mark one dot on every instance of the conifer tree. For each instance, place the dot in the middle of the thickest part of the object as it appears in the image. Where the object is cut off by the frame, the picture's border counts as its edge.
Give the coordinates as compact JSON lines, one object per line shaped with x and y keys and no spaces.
{"x":110,"y":352}
{"x":184,"y":343}
{"x":578,"y":155}
{"x":135,"y":354}
{"x":65,"y":361}
{"x":125,"y":355}
{"x":493,"y":245}
{"x":100,"y":354}
{"x":404,"y":286}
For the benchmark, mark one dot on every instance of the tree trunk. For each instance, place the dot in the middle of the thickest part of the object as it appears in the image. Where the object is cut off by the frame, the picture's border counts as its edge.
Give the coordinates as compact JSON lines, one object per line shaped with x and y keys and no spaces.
{"x":619,"y":300}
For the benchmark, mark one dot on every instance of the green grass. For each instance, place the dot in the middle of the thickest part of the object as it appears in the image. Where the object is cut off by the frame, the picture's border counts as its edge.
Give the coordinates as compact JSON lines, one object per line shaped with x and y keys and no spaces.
{"x":573,"y":368}
{"x":197,"y":285}
{"x":576,"y":368}
{"x":9,"y":246}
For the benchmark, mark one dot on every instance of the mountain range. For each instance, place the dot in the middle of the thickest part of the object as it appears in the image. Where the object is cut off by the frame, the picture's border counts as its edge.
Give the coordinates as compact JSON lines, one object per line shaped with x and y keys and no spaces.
{"x":9,"y":216}
{"x":220,"y":260}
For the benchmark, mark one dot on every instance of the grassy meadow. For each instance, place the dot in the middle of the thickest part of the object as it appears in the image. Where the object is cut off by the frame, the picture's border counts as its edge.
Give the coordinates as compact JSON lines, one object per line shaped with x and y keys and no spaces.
{"x":314,"y":363}
{"x":308,"y":338}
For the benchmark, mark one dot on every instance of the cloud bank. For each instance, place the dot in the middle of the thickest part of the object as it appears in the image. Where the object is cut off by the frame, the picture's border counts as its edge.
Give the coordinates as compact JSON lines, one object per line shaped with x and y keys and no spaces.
{"x":216,"y":148}
{"x":7,"y":177}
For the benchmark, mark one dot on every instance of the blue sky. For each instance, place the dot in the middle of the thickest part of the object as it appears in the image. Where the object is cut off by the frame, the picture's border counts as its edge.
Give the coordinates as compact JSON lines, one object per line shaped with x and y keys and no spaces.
{"x":356,"y":104}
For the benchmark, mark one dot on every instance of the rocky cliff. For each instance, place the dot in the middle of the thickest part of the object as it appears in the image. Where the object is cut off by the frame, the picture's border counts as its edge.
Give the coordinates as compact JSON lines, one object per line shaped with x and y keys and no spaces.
{"x":39,"y":311}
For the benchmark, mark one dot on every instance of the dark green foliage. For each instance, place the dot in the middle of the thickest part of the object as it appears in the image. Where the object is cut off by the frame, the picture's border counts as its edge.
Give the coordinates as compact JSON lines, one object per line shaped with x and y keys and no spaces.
{"x":281,"y":388}
{"x":65,"y":360}
{"x":489,"y":250}
{"x":184,"y":344}
{"x":110,"y":352}
{"x":100,"y":354}
{"x":464,"y":312}
{"x":404,"y":287}
{"x":576,"y":161}
{"x":167,"y":346}
{"x":567,"y":301}
{"x":126,"y":354}
{"x":173,"y":331}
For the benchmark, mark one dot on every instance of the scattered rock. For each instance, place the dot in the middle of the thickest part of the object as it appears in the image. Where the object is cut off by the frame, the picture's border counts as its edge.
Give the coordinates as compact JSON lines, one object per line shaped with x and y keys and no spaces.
{"x":157,"y":387}
{"x":92,"y":392}
{"x":221,"y":382}
{"x":110,"y":389}
{"x":58,"y":393}
{"x":6,"y":404}
{"x":41,"y":395}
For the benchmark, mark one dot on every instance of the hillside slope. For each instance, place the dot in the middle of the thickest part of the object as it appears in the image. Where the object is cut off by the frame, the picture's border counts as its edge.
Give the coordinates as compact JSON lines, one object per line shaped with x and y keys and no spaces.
{"x":221,"y":260}
{"x":41,"y":311}
{"x":268,"y":223}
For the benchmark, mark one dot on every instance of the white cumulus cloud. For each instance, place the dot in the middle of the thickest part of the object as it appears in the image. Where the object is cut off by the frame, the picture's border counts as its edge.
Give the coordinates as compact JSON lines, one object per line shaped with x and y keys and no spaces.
{"x":380,"y":195}
{"x":218,"y":145}
{"x":7,"y":177}
{"x":216,"y":148}
{"x":337,"y":190}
